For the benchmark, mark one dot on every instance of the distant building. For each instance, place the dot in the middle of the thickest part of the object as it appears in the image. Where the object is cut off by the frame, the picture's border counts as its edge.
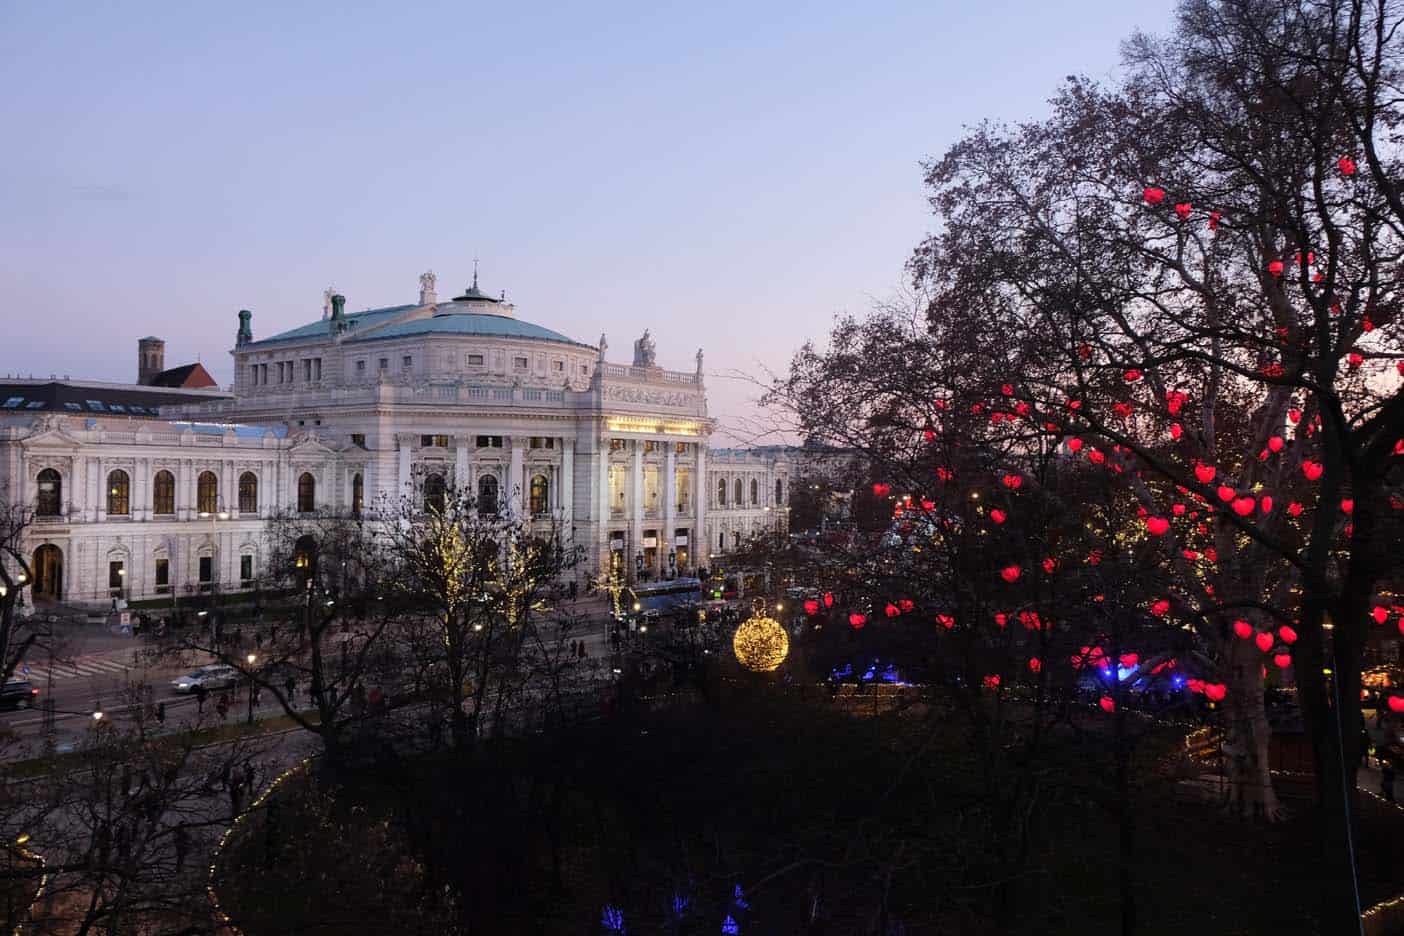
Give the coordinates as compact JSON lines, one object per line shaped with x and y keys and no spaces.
{"x":401,"y":401}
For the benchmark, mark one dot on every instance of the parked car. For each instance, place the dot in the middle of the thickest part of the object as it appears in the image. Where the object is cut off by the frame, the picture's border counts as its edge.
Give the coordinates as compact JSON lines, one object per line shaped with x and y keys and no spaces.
{"x":213,"y":676}
{"x":18,"y":693}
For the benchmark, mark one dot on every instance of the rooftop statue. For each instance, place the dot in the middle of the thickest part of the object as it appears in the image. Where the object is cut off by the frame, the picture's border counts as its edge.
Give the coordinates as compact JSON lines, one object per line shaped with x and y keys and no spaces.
{"x":645,"y":352}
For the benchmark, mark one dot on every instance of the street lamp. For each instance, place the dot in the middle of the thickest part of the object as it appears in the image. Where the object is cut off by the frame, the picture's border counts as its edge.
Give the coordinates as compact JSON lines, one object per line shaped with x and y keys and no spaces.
{"x":252,"y":659}
{"x":214,"y":516}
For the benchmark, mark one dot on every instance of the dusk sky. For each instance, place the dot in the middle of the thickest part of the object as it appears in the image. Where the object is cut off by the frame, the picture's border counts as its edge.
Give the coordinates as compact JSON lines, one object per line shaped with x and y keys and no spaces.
{"x":730,"y":176}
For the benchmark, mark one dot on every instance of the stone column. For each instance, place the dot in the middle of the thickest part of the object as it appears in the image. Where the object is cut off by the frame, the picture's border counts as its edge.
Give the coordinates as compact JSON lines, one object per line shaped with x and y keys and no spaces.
{"x":461,"y":481}
{"x":637,"y":503}
{"x":514,"y":479}
{"x":567,"y":487}
{"x":601,"y":507}
{"x":670,"y":506}
{"x":403,"y":480}
{"x":699,"y":545}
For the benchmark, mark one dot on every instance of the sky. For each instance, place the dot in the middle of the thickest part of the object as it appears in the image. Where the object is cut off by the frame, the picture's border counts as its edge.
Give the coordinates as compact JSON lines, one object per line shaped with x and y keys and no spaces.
{"x":730,"y":175}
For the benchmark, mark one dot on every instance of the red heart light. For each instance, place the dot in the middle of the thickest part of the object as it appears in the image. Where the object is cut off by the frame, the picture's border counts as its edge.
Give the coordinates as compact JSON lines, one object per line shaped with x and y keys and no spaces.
{"x":1178,"y":510}
{"x":811,"y":607}
{"x":1012,"y":481}
{"x":1176,"y":430}
{"x":1074,"y":444}
{"x":1312,"y":470}
{"x":1264,"y":641}
{"x":1153,"y":196}
{"x":1001,"y":619}
{"x":1131,"y":375}
{"x":1346,"y":165}
{"x":1243,"y":506}
{"x":1294,"y":416}
{"x":1160,"y":608}
{"x":1282,"y":660}
{"x":1347,"y":506}
{"x":1205,"y":473}
{"x":1049,"y":565}
{"x":1355,"y":359}
{"x":1157,"y":526}
{"x":1129,"y":660}
{"x":1276,"y":443}
{"x":1226,"y":493}
{"x":1215,"y":692}
{"x":828,"y":599}
{"x":1214,"y":218}
{"x":1396,"y":703}
{"x":1287,"y":633}
{"x":1183,"y":209}
{"x":997,"y":515}
{"x":1275,"y":268}
{"x":856,"y":620}
{"x":945,"y":620}
{"x":1379,"y":614}
{"x":881,"y":490}
{"x":1035,"y":664}
{"x":1107,"y":703}
{"x":891,"y":610}
{"x":1010,"y":573}
{"x":1242,"y":629}
{"x":1295,"y":509}
{"x":1266,"y":505}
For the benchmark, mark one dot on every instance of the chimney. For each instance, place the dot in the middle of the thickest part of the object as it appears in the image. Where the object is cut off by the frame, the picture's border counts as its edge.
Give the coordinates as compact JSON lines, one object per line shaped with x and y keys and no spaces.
{"x":338,"y":307}
{"x":151,"y":359}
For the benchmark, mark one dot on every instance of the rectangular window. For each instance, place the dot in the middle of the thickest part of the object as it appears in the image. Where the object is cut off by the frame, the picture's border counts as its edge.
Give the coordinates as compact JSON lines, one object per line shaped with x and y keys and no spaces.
{"x":360,"y":368}
{"x":163,"y":575}
{"x":543,"y":442}
{"x":681,"y":448}
{"x":358,"y":438}
{"x":385,"y":363}
{"x":116,"y":572}
{"x":317,"y":369}
{"x":433,"y":441}
{"x":616,"y":445}
{"x":307,"y":370}
{"x":406,"y":362}
{"x":206,"y":570}
{"x":246,"y":570}
{"x":489,"y":441}
{"x":559,"y":365}
{"x":520,"y":363}
{"x":650,"y":446}
{"x":475,"y":360}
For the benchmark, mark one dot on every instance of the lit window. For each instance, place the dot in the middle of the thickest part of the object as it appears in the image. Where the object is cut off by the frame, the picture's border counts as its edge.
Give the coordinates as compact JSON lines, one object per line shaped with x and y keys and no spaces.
{"x":475,"y":360}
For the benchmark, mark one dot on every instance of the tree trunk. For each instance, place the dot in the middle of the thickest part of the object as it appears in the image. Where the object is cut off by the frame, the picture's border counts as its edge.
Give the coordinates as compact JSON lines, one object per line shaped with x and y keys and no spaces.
{"x":1248,"y":736}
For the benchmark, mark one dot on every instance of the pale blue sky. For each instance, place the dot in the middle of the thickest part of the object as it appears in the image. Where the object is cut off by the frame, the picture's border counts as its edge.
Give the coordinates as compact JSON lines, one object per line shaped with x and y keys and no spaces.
{"x":729,"y":174}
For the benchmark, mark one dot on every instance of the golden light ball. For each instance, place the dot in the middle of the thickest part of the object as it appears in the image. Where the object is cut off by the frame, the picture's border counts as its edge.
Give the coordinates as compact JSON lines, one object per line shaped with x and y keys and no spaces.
{"x":760,"y":643}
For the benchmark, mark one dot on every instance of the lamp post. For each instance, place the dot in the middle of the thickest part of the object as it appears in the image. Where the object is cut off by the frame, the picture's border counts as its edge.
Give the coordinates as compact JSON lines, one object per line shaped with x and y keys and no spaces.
{"x":252,"y":658}
{"x":672,"y":563}
{"x":214,"y":516}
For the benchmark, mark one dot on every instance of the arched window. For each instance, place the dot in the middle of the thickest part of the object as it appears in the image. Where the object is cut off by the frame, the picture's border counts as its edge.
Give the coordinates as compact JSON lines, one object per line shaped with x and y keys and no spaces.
{"x":434,"y":493}
{"x":207,"y":493}
{"x":721,"y":493}
{"x":721,"y":537}
{"x":358,"y":495}
{"x":779,"y":492}
{"x":248,"y":493}
{"x":163,"y":494}
{"x":50,"y":500}
{"x":487,"y":495}
{"x":119,"y":494}
{"x":755,"y":492}
{"x":540,"y":495}
{"x":737,"y":499}
{"x":736,"y":539}
{"x":306,"y":493}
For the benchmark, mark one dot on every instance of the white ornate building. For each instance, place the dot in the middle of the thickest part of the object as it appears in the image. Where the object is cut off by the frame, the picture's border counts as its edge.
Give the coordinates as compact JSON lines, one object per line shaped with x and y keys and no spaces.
{"x":405,"y":400}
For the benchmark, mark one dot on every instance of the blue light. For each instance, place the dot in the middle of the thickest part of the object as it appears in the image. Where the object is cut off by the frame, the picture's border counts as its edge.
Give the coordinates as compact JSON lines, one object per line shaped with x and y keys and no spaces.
{"x":1178,"y":681}
{"x":681,"y":904}
{"x":1125,"y":672}
{"x":739,"y":900}
{"x":868,"y":675}
{"x":612,"y":920}
{"x":730,"y":927}
{"x":891,"y":675}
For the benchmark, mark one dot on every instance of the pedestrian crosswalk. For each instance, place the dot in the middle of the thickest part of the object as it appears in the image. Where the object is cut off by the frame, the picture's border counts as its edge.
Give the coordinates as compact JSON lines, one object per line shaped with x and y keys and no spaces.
{"x":77,"y":668}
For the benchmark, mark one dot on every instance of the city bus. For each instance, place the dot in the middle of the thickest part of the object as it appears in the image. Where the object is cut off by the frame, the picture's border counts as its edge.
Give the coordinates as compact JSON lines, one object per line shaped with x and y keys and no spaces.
{"x":665,"y":597}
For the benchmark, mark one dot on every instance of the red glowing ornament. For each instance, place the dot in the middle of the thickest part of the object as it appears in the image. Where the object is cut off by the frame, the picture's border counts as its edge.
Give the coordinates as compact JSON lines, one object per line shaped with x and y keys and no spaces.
{"x":881,"y":490}
{"x":828,"y":599}
{"x":1153,"y":196}
{"x":1287,"y":634}
{"x":811,"y":607}
{"x":1312,"y":469}
{"x":1176,"y":430}
{"x":1049,"y":565}
{"x":1204,"y":473}
{"x":1282,"y":660}
{"x":1355,"y":359}
{"x":907,"y":605}
{"x":991,"y":682}
{"x":1183,"y":209}
{"x":1396,"y":703}
{"x":1214,"y":218}
{"x":1347,"y":506}
{"x":1294,"y":416}
{"x":1035,"y":665}
{"x":1242,"y":629}
{"x":1215,"y":692}
{"x":1266,"y":505}
{"x":945,"y":620}
{"x":1010,"y":573}
{"x":891,"y":610}
{"x":1294,"y":509}
{"x":1074,"y":445}
{"x":928,"y":505}
{"x":1131,"y":375}
{"x":856,"y":620}
{"x":1178,"y":510}
{"x":1346,"y":165}
{"x":1107,"y":703}
{"x":1012,"y":481}
{"x":1226,"y":493}
{"x":1243,"y":506}
{"x":997,"y":515}
{"x":1264,"y":641}
{"x":1275,"y":268}
{"x":1157,"y":526}
{"x":1276,"y":443}
{"x":1001,"y":619}
{"x":1379,"y":614}
{"x":1007,"y":389}
{"x":1095,"y":457}
{"x":1129,"y":660}
{"x":1160,"y":608}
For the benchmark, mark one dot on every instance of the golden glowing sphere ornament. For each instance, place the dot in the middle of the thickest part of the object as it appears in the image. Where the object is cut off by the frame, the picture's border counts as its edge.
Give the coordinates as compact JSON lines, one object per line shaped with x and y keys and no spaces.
{"x":761,"y":643}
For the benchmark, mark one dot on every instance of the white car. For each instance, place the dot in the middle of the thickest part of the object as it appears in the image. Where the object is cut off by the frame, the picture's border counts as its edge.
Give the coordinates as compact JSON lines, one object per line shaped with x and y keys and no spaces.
{"x":213,"y":676}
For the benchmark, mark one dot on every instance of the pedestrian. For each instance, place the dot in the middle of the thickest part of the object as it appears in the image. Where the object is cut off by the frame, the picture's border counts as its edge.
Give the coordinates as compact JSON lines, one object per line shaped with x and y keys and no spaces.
{"x":236,"y":798}
{"x":126,"y":780}
{"x":249,"y":775}
{"x":182,"y":846}
{"x":222,"y":706}
{"x":161,"y":712}
{"x":224,"y":776}
{"x":200,"y":693}
{"x":289,"y":687}
{"x":258,"y":640}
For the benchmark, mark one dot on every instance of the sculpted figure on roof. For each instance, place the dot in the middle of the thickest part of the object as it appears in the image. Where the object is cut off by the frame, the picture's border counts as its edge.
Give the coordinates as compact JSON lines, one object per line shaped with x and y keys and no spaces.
{"x":645,"y":353}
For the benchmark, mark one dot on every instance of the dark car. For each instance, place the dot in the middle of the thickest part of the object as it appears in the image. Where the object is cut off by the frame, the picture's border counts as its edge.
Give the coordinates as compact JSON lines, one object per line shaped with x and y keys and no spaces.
{"x":18,"y":693}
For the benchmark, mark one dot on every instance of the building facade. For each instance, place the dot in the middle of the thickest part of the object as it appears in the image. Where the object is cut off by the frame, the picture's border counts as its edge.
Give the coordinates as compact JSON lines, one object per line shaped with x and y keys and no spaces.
{"x":357,"y":410}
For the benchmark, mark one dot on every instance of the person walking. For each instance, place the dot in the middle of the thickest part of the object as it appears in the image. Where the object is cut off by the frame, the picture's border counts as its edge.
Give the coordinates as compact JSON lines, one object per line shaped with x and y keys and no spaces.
{"x":222,"y":706}
{"x":182,"y":846}
{"x":200,"y":693}
{"x":289,"y":688}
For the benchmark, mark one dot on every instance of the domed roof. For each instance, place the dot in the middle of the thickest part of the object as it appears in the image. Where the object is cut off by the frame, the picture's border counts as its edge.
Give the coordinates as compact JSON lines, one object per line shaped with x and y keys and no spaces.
{"x":451,"y":319}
